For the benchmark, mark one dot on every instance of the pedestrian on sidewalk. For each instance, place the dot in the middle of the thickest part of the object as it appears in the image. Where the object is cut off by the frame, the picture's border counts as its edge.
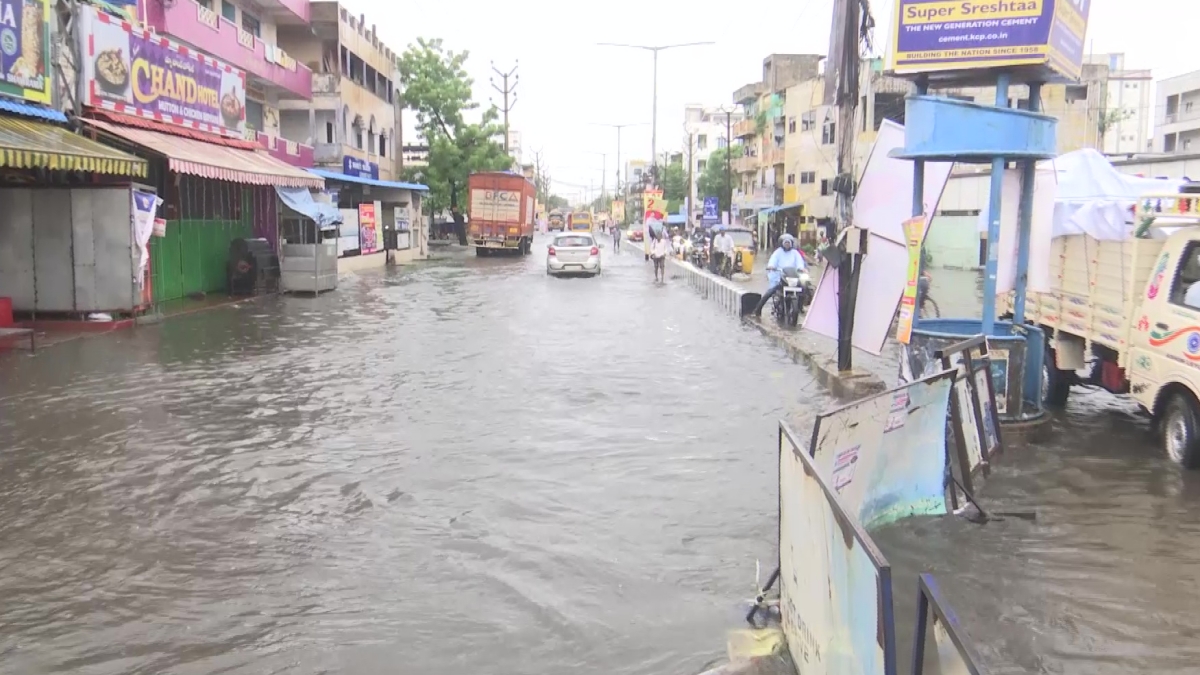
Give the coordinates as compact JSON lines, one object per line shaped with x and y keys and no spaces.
{"x":616,"y":233}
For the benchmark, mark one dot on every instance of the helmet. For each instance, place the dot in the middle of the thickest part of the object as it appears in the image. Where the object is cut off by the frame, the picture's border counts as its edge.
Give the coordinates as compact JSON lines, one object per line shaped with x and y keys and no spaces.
{"x":787,"y":238}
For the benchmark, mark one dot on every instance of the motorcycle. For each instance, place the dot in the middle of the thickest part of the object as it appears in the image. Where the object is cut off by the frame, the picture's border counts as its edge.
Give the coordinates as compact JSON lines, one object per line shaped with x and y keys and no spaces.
{"x":793,"y":298}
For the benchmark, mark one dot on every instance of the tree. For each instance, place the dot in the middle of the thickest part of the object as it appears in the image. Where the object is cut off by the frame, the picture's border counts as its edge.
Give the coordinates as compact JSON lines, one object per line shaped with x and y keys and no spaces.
{"x":712,"y":180}
{"x":437,"y":87}
{"x":556,"y":202}
{"x":674,"y":183}
{"x":1106,"y":120}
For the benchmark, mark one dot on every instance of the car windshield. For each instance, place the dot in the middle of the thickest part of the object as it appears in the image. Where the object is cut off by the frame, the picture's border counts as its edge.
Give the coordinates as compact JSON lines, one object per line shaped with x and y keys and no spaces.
{"x":742,"y":238}
{"x":573,"y":241}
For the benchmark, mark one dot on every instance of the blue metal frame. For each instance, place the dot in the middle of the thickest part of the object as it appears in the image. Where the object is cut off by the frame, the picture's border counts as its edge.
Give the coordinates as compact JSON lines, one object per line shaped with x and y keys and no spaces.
{"x":930,"y":596}
{"x":884,"y":569}
{"x":1025,"y":217}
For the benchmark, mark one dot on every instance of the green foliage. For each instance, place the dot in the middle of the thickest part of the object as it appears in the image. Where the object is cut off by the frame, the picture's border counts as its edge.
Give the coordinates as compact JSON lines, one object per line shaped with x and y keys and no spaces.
{"x":711,"y":182}
{"x":674,"y":183}
{"x":437,"y":87}
{"x":556,"y":202}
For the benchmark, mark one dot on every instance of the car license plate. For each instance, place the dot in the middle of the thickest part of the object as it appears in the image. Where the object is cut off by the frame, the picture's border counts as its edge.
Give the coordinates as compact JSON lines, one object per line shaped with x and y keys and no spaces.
{"x":495,"y":244}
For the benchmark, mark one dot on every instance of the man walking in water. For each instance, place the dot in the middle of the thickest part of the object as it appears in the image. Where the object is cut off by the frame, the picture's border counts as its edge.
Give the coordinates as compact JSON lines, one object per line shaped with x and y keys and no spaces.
{"x":659,"y":250}
{"x":616,"y":233}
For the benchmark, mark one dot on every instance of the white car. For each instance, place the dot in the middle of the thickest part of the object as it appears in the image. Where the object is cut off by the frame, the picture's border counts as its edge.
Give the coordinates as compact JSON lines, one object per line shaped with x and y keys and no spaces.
{"x":573,"y":253}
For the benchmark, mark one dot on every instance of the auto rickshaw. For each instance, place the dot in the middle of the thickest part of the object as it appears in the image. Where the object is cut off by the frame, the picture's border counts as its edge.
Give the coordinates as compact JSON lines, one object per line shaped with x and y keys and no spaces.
{"x":743,"y":250}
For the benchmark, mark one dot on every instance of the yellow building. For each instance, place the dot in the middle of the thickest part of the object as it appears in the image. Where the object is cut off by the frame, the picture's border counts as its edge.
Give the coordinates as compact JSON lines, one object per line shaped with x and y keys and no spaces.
{"x":353,"y":120}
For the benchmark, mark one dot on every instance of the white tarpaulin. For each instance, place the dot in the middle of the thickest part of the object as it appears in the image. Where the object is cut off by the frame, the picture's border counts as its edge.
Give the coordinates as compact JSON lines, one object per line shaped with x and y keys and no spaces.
{"x":886,"y":454}
{"x":1091,"y":197}
{"x":835,"y":585}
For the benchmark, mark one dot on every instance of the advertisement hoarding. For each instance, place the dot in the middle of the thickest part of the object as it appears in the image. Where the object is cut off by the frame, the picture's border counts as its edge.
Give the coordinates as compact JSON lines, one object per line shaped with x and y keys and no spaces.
{"x":886,"y":454}
{"x":938,"y":35}
{"x":138,"y":72}
{"x":835,"y":585}
{"x":25,"y":50}
{"x":914,"y":235}
{"x":368,"y":228}
{"x":952,"y":653}
{"x":654,"y":206}
{"x":353,"y":166}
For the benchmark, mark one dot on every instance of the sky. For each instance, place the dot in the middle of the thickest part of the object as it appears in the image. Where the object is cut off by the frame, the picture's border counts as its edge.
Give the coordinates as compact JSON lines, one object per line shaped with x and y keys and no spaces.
{"x":569,"y":87}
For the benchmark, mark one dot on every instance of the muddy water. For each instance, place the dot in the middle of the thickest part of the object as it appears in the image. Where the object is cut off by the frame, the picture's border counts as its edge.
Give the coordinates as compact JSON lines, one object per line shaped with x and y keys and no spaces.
{"x":469,"y":467}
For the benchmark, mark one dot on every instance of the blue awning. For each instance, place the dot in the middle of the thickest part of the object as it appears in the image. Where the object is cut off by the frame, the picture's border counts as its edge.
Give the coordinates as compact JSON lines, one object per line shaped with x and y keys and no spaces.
{"x":300,"y":200}
{"x":31,"y":110}
{"x":334,"y":175}
{"x":676,"y":219}
{"x":782,"y":207}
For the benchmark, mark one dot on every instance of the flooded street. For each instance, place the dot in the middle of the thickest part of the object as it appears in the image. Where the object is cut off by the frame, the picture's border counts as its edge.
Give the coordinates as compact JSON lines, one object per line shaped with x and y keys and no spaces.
{"x":468,"y":467}
{"x":459,"y":468}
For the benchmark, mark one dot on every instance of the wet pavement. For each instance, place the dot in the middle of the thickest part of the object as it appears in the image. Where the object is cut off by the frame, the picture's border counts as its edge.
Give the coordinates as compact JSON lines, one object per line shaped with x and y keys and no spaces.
{"x":468,"y":467}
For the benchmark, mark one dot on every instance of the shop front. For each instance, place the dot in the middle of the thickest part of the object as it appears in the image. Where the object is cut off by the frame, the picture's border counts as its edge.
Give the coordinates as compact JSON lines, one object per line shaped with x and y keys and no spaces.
{"x":183,"y":112}
{"x":380,"y":219}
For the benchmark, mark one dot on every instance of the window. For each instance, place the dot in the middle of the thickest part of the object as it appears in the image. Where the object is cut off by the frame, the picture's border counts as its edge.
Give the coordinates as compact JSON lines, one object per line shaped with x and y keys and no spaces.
{"x":370,"y":141}
{"x":791,"y":179}
{"x":701,"y":164}
{"x":382,"y":144}
{"x":808,"y":177}
{"x":791,"y":125}
{"x":829,"y":133}
{"x":1187,"y":276}
{"x":702,"y":142}
{"x":254,"y":115}
{"x":808,"y":121}
{"x":251,"y":24}
{"x":229,"y":11}
{"x":825,"y":191}
{"x":206,"y":4}
{"x":358,"y":134}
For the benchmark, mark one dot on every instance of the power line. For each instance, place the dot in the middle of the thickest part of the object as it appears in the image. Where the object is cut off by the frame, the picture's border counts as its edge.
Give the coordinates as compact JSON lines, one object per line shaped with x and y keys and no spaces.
{"x":508,"y":89}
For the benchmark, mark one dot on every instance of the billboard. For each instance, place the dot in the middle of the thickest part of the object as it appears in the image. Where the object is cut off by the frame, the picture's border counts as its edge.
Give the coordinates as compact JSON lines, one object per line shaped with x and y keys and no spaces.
{"x":25,"y":57}
{"x":940,"y":35}
{"x":138,"y":72}
{"x":655,"y":206}
{"x":886,"y":454}
{"x":835,"y":585}
{"x":952,"y":654}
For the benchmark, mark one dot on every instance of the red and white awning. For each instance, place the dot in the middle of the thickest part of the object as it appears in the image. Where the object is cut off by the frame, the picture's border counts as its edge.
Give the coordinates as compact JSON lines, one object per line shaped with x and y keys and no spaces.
{"x":209,"y":160}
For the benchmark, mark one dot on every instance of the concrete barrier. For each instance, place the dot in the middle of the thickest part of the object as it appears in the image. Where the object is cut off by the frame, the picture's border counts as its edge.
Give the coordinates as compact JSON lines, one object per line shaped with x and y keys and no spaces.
{"x":728,"y":296}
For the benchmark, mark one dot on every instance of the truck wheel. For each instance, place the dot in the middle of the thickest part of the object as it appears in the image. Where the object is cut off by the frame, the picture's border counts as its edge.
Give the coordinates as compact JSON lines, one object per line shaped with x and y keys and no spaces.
{"x":1181,"y":430}
{"x":1058,"y":383}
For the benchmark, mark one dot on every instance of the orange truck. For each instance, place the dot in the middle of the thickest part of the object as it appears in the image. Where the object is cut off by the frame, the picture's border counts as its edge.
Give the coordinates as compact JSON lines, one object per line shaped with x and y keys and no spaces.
{"x":500,"y":212}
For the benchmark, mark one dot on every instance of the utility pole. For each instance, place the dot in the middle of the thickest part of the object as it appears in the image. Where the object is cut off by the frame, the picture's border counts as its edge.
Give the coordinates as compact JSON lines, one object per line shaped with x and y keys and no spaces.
{"x":848,"y":25}
{"x":728,"y":163}
{"x":691,"y":160}
{"x":506,"y":90}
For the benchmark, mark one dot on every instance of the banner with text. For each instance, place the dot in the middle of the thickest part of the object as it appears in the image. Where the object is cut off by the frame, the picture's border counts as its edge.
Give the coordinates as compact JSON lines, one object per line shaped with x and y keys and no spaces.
{"x":137,"y":72}
{"x":914,"y":236}
{"x":25,"y":57}
{"x":946,"y":35}
{"x":368,"y":231}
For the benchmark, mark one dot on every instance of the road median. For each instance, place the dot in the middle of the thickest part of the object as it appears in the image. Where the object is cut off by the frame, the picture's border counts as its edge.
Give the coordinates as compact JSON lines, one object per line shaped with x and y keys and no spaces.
{"x":817,"y":352}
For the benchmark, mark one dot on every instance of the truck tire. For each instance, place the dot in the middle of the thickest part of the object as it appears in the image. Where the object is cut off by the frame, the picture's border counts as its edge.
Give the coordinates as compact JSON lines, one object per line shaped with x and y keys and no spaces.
{"x":1181,"y":429}
{"x":1058,"y":383}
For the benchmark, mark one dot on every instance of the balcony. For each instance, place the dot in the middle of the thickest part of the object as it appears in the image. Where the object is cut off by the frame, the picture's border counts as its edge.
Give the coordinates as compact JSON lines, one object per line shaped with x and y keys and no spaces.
{"x":745,"y":164}
{"x":772,"y":156}
{"x":745,"y":129}
{"x":299,"y":10}
{"x":289,"y":152}
{"x":210,"y":32}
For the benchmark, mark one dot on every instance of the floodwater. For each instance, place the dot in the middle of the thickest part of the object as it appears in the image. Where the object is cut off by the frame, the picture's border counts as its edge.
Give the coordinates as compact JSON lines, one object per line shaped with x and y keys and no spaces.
{"x":456,"y":468}
{"x":468,"y":467}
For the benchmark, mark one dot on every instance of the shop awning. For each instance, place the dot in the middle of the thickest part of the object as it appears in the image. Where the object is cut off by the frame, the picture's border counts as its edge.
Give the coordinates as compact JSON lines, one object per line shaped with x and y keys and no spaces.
{"x":346,"y":178}
{"x":326,"y":216}
{"x":777,"y":209}
{"x":25,"y":144}
{"x":208,"y":160}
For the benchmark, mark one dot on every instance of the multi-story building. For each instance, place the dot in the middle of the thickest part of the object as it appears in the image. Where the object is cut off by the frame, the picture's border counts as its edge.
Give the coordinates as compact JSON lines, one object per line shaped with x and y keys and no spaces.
{"x":1124,"y":121}
{"x":1177,"y":114}
{"x":763,"y":129}
{"x":707,"y":128}
{"x":244,"y":34}
{"x":353,"y":120}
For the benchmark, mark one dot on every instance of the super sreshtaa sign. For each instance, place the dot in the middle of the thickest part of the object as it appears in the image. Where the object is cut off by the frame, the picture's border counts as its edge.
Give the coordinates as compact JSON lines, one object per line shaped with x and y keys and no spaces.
{"x":941,"y":35}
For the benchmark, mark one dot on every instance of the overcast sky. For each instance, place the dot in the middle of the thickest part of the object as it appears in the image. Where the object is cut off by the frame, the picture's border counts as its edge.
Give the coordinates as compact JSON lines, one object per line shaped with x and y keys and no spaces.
{"x":568,"y":85}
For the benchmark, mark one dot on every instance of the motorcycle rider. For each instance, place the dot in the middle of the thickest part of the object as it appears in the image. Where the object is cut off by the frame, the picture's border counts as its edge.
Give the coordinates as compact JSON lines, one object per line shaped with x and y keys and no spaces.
{"x":722,"y":250}
{"x":784,"y":257}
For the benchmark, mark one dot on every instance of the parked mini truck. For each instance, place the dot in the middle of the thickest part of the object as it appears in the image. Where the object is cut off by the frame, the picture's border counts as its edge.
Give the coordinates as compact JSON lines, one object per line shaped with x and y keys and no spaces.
{"x":1125,"y":313}
{"x":500,"y":212}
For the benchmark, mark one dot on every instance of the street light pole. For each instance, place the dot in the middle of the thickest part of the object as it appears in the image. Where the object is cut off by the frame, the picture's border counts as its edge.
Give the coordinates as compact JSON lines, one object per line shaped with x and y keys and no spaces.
{"x":654,"y":122}
{"x":619,"y":127}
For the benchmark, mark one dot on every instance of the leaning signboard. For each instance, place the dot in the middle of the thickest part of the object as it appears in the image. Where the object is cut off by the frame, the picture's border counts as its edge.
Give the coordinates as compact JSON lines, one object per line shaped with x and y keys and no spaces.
{"x":130,"y":70}
{"x":930,"y":36}
{"x":835,"y":585}
{"x":886,"y":454}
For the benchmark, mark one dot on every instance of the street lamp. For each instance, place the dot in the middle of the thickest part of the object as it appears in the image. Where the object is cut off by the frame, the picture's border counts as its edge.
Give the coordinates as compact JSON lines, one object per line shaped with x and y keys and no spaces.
{"x":654,"y":122}
{"x":618,"y":127}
